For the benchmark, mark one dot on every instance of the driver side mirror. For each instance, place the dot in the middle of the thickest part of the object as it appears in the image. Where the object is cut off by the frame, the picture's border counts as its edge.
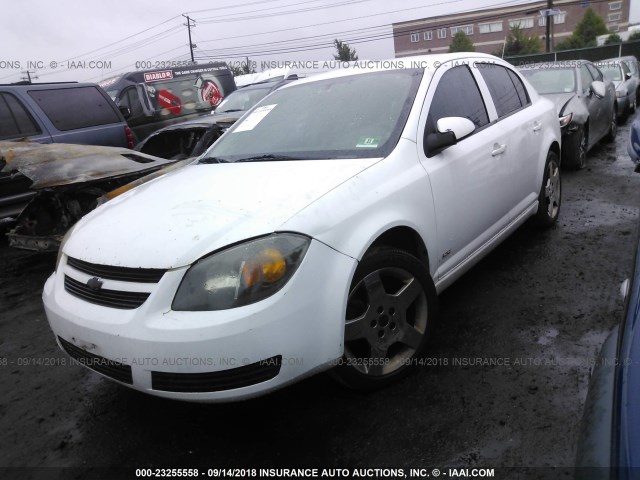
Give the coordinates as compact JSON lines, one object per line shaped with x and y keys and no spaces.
{"x":449,"y":131}
{"x":598,"y":89}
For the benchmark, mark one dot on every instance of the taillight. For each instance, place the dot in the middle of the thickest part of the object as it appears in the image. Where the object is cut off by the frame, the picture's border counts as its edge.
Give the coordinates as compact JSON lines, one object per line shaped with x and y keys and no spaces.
{"x":129,"y":134}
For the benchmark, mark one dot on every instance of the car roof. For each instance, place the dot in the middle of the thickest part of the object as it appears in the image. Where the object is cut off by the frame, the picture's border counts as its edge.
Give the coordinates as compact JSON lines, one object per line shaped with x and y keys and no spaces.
{"x":48,"y":86}
{"x":425,"y":62}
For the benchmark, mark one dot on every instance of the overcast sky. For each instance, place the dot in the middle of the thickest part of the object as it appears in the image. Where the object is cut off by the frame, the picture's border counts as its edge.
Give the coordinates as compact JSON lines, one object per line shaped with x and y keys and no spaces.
{"x":89,"y":41}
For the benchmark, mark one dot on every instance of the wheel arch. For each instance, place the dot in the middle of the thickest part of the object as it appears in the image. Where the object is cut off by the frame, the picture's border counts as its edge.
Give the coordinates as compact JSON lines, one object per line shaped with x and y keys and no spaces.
{"x":403,"y":238}
{"x":555,"y":148}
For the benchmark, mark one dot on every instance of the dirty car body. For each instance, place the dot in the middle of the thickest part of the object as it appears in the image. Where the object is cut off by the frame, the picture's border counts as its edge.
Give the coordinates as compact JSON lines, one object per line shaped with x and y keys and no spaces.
{"x":585,"y":101}
{"x":315,"y":233}
{"x":65,"y":182}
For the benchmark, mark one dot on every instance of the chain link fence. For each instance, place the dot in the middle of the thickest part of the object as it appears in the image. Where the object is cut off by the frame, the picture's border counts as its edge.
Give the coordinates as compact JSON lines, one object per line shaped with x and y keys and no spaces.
{"x":592,"y":54}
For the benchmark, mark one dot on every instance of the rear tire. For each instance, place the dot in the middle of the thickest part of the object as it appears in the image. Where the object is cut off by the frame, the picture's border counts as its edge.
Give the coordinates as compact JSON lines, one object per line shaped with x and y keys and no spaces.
{"x":550,"y":197}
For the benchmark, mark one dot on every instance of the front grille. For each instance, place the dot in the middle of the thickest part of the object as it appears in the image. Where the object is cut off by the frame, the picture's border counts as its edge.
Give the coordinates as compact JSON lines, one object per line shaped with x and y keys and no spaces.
{"x":217,"y":381}
{"x":104,"y":297}
{"x":116,"y":370}
{"x":125,"y":274}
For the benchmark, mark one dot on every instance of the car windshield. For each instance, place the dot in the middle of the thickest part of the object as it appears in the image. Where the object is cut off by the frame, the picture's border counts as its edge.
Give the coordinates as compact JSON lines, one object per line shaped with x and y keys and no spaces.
{"x":242,"y":100}
{"x":354,"y":116}
{"x":612,"y":72}
{"x":551,"y":80}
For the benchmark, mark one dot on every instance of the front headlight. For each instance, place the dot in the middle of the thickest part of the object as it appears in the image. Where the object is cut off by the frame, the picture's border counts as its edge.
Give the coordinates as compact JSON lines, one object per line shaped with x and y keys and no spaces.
{"x":565,"y":120}
{"x":621,"y":93}
{"x":241,"y":275}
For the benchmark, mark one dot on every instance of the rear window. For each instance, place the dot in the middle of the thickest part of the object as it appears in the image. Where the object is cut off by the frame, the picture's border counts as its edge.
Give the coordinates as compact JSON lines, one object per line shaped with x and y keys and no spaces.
{"x":15,"y":121}
{"x":74,"y":108}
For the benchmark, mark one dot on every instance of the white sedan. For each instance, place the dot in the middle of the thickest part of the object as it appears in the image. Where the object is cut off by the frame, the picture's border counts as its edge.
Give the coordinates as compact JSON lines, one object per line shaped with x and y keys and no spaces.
{"x":316,"y":233}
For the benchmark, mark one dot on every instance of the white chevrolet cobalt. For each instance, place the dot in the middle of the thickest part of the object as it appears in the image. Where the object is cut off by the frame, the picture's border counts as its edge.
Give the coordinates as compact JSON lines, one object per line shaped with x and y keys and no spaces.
{"x":316,"y":233}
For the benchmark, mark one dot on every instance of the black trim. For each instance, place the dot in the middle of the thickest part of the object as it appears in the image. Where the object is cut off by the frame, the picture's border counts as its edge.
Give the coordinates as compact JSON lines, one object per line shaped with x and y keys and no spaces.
{"x":124,"y":274}
{"x":115,"y":370}
{"x":217,"y":381}
{"x":104,"y":297}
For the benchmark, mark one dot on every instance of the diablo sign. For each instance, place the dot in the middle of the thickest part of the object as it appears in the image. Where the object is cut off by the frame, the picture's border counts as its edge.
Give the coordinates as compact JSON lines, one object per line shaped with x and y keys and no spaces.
{"x":155,"y":76}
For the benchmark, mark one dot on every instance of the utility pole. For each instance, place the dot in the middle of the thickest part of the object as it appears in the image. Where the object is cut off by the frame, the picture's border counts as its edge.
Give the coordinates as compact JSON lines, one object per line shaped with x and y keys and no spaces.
{"x":28,"y":76}
{"x":548,"y":25}
{"x":189,"y":25}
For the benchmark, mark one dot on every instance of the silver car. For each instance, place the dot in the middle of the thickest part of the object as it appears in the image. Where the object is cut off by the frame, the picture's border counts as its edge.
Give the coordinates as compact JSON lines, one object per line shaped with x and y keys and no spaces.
{"x":626,"y":84}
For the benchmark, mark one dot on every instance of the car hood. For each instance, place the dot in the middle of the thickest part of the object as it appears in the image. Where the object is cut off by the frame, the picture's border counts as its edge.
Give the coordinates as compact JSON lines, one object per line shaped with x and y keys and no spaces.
{"x":176,"y":219}
{"x":60,"y":164}
{"x":560,"y":100}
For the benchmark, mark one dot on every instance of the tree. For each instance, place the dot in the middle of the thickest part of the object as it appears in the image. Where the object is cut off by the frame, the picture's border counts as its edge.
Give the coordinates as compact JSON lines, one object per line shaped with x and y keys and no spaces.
{"x":634,"y":36}
{"x":345,"y":53}
{"x":461,"y":43}
{"x":519,"y":43}
{"x":613,"y":39}
{"x":243,"y":68}
{"x":586,"y":31}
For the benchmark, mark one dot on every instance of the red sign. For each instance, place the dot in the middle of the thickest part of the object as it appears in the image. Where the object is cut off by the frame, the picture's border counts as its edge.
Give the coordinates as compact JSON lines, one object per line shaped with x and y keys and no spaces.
{"x":210,"y":93}
{"x":155,"y":76}
{"x":169,"y":101}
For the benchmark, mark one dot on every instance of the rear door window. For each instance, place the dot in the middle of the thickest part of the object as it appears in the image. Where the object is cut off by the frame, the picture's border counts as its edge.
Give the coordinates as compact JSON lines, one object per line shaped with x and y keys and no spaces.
{"x":503,"y":88}
{"x":75,"y":108}
{"x":15,"y":121}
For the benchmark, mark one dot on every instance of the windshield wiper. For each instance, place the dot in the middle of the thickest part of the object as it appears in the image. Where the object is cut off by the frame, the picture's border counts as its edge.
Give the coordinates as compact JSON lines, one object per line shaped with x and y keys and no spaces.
{"x":231,"y":110}
{"x":208,"y":160}
{"x":267,"y":157}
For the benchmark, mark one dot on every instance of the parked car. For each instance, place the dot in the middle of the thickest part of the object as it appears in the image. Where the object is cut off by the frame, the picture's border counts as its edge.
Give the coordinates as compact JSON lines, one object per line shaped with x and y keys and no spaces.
{"x":585,"y":101}
{"x":79,"y":113}
{"x":609,"y":440}
{"x":633,"y":145}
{"x":626,"y":85}
{"x":164,"y":96}
{"x":192,"y":138}
{"x":65,"y":182}
{"x":634,"y":68}
{"x":315,"y":233}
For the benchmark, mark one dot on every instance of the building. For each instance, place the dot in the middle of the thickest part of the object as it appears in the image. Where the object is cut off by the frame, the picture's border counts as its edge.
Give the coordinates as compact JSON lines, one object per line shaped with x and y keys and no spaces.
{"x":488,"y":28}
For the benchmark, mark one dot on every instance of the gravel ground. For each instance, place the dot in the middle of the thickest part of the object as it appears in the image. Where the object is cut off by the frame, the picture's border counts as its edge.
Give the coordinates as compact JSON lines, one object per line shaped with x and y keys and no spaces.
{"x":504,"y":384}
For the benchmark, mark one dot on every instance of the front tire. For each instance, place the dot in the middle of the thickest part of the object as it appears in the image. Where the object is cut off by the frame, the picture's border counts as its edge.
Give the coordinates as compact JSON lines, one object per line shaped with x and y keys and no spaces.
{"x":550,"y":197}
{"x":390,"y":310}
{"x":613,"y":128}
{"x":576,"y":158}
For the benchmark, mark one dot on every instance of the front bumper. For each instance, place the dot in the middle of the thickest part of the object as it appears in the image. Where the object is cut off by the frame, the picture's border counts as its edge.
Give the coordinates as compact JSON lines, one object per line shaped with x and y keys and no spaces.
{"x":208,"y":356}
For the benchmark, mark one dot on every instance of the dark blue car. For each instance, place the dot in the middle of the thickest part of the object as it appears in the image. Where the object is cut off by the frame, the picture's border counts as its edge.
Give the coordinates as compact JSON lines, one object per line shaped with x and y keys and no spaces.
{"x":610,"y":435}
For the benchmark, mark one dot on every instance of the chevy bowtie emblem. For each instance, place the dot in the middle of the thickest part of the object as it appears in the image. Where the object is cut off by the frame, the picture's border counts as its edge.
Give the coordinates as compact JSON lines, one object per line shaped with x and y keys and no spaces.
{"x":94,"y":284}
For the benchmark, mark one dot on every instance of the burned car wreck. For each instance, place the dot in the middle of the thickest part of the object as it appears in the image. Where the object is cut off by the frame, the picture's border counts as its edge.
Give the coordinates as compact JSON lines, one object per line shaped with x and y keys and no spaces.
{"x":66,"y":182}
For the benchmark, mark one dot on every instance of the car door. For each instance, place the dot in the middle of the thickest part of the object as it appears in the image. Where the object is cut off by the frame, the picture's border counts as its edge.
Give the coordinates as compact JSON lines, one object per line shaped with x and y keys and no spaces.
{"x":518,"y":130}
{"x":467,"y":179}
{"x":599,"y":108}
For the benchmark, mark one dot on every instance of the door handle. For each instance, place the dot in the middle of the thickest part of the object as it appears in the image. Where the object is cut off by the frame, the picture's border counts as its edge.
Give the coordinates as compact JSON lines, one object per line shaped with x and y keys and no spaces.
{"x":498,"y":149}
{"x":537,"y":126}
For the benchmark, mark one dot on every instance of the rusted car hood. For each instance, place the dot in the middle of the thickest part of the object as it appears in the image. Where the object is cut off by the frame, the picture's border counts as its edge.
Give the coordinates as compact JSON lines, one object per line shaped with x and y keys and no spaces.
{"x":54,"y":165}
